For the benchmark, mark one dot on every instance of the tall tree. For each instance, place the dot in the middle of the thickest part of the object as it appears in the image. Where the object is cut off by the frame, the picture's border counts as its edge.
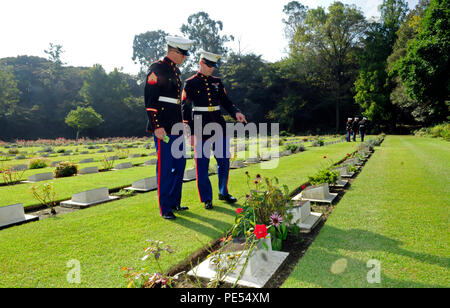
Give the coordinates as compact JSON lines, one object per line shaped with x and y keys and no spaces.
{"x":206,"y":34}
{"x":149,"y":47}
{"x":295,"y":17}
{"x":373,"y":87}
{"x":424,"y":69}
{"x":334,"y":37}
{"x":83,"y":118}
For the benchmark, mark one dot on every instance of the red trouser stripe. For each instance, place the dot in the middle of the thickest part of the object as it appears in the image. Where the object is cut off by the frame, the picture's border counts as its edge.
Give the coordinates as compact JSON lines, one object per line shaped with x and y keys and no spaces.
{"x":159,"y":173}
{"x":196,"y":172}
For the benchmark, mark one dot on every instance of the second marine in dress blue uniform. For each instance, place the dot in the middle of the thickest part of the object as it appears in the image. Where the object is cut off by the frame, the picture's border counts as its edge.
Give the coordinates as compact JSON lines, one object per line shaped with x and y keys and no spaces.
{"x":203,"y":97}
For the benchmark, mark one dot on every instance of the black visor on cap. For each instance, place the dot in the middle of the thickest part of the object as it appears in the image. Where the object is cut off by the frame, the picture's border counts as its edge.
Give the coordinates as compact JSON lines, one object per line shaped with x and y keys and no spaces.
{"x":209,"y":63}
{"x":182,"y":51}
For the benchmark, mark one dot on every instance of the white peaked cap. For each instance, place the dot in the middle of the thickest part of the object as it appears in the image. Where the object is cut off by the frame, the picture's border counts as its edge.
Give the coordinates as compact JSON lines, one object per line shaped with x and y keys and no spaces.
{"x":179,"y":42}
{"x":349,"y":119}
{"x":364,"y":118}
{"x":209,"y":56}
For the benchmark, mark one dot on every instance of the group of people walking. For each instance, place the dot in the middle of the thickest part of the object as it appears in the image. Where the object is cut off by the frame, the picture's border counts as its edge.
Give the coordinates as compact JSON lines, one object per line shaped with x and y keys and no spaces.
{"x":173,"y":113}
{"x":355,"y":126}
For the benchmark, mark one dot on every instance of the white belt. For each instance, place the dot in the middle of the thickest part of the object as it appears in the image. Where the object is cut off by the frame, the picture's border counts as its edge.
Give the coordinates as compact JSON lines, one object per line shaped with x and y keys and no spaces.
{"x":210,"y":108}
{"x":168,"y":100}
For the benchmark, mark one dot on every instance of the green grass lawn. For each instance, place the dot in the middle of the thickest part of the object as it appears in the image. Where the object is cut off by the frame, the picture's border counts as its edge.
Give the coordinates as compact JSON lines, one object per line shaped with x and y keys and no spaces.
{"x":397,"y":212}
{"x":107,"y":237}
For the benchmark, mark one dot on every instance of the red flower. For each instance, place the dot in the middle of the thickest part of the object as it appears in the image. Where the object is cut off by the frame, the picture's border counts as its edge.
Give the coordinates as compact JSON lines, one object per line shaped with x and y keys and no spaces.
{"x":260,"y":231}
{"x":240,"y":210}
{"x":303,"y":186}
{"x":324,"y":156}
{"x":348,"y":154}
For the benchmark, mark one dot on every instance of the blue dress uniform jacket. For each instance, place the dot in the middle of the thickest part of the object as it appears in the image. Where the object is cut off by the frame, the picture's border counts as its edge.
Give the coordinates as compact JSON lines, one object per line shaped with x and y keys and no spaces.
{"x":162,"y":102}
{"x":206,"y":91}
{"x":163,"y":81}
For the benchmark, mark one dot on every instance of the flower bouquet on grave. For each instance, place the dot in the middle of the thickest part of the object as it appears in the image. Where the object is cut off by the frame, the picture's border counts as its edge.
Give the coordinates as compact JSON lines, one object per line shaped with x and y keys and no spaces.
{"x":46,"y":195}
{"x":325,"y":174}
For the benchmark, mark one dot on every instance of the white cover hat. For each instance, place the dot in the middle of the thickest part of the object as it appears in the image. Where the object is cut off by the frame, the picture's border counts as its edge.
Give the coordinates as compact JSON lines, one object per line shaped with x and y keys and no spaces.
{"x":210,"y":57}
{"x":179,"y":42}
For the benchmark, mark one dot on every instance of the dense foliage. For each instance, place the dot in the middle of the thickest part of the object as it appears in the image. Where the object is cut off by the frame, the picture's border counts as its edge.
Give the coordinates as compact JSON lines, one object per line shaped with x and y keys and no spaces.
{"x":393,"y":70}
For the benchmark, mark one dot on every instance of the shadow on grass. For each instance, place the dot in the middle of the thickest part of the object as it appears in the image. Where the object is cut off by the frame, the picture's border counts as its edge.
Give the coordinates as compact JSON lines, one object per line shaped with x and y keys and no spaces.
{"x":316,"y":267}
{"x":218,"y":228}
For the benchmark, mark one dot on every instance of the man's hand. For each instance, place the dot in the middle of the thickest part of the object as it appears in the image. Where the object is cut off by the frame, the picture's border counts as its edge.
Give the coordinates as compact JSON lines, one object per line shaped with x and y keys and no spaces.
{"x":241,"y":118}
{"x":160,"y":133}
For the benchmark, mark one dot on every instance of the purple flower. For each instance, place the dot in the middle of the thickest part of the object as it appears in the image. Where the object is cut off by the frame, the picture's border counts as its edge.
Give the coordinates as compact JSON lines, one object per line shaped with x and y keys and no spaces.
{"x":276,"y":219}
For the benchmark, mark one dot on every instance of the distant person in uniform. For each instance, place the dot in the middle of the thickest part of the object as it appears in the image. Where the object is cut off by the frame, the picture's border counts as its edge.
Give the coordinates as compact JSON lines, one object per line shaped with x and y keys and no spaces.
{"x":355,"y":128}
{"x":349,"y":129}
{"x":163,"y":106}
{"x":203,"y":95}
{"x":362,"y":128}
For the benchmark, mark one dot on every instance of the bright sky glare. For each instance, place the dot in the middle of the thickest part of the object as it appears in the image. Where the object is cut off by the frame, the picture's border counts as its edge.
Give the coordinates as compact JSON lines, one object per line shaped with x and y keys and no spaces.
{"x":102,"y":31}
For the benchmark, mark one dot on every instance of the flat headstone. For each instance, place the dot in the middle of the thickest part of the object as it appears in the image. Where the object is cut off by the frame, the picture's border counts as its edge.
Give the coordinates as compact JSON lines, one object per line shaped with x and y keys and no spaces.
{"x":302,"y":215}
{"x":18,"y":168}
{"x":266,"y":157}
{"x":101,"y":151}
{"x":257,"y":271}
{"x":151,"y":162}
{"x":11,"y":215}
{"x":40,"y":177}
{"x":123,"y":166}
{"x":286,"y":153}
{"x":112,"y":158}
{"x":236,"y":164}
{"x":87,"y":160}
{"x":20,"y":157}
{"x":84,"y":152}
{"x":343,"y":172}
{"x":144,"y":185}
{"x":252,"y":160}
{"x":134,"y":155}
{"x":88,"y":198}
{"x":317,"y":193}
{"x":190,"y":175}
{"x":88,"y":170}
{"x":54,"y":163}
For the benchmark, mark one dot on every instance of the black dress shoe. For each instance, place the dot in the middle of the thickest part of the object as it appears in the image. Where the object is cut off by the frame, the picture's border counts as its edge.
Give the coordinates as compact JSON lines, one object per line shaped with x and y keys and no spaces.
{"x":208,"y":205}
{"x":228,"y":198}
{"x":169,"y":216}
{"x":180,"y":208}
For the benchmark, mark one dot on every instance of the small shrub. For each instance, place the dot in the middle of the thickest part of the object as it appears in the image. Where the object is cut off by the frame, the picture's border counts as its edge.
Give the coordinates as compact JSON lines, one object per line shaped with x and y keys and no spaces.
{"x":13,"y":151}
{"x":38,"y":163}
{"x":65,"y":169}
{"x":61,"y":151}
{"x":324,"y":176}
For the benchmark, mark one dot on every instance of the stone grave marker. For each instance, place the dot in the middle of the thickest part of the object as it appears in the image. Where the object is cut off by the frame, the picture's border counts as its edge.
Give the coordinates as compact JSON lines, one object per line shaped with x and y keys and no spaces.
{"x":257,"y":271}
{"x":123,"y":166}
{"x":11,"y":215}
{"x":87,"y":160}
{"x":134,"y":155}
{"x":40,"y":177}
{"x":54,"y":163}
{"x":89,"y":198}
{"x":19,"y":168}
{"x":144,"y":185}
{"x":112,"y":158}
{"x":88,"y":170}
{"x":266,"y":157}
{"x":236,"y":164}
{"x":190,"y":175}
{"x":343,"y":172}
{"x":151,"y":162}
{"x":252,"y":160}
{"x":20,"y":157}
{"x":318,"y":193}
{"x":302,"y":215}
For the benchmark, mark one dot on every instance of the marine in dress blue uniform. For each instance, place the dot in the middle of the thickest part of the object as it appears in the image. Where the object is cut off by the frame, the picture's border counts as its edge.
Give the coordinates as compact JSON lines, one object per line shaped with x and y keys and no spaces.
{"x":203,"y":96}
{"x":163,"y":106}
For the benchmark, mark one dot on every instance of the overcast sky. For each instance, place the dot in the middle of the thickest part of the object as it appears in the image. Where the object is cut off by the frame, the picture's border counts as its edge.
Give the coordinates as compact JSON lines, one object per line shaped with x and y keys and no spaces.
{"x":102,"y":31}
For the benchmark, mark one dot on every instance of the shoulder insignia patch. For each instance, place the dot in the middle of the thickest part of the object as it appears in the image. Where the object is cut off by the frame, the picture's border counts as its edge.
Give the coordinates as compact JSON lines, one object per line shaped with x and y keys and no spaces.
{"x":152,"y":79}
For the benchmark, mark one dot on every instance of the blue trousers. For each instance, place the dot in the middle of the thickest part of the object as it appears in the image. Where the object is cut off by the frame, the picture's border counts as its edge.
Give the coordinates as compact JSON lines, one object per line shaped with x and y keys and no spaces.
{"x":354,"y":136}
{"x":362,"y":135}
{"x":170,"y":172}
{"x":348,"y":136}
{"x":221,"y":149}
